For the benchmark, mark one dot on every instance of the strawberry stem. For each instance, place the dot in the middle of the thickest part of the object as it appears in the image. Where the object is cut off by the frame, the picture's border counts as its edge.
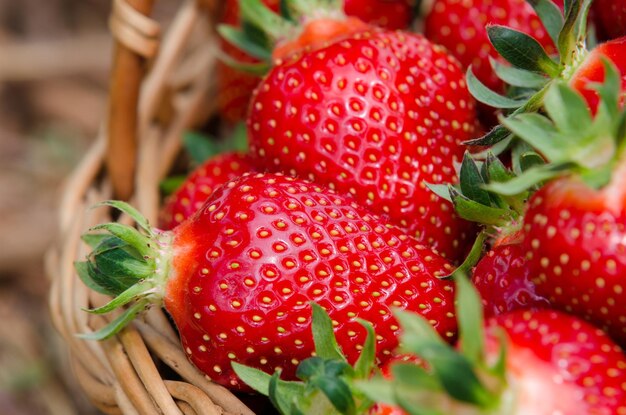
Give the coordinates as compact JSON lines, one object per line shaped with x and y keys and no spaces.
{"x":130,"y":264}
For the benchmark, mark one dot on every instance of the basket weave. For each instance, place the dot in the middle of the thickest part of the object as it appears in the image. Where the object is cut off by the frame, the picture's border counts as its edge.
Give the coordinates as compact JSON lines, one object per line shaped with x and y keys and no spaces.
{"x":128,"y":374}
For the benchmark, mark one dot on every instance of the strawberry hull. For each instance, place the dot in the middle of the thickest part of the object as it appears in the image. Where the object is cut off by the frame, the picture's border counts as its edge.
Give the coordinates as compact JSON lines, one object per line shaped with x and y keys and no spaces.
{"x":375,"y":116}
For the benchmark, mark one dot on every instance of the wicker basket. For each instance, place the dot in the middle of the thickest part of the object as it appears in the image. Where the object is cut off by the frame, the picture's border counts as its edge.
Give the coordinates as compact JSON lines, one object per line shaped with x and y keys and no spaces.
{"x":143,"y":370}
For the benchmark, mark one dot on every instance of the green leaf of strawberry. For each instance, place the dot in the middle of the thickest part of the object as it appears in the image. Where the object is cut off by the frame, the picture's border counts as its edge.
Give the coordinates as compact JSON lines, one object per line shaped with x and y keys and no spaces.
{"x":328,"y":373}
{"x":521,"y":50}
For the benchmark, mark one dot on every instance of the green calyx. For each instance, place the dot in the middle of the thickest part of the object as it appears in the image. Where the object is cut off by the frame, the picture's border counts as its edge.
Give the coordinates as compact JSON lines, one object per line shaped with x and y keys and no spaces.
{"x":262,"y":29}
{"x":473,"y":199}
{"x":569,"y":137}
{"x":126,"y":263}
{"x":327,"y":379}
{"x":453,"y":379}
{"x":530,"y":70}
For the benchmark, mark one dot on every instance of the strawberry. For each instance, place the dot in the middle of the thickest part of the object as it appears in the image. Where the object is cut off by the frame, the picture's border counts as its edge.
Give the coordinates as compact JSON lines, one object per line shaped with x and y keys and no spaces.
{"x":577,"y":249}
{"x":540,"y":362}
{"x":610,"y":17}
{"x":557,"y":363}
{"x":200,"y":184}
{"x":591,"y":70}
{"x":529,"y":70}
{"x":575,"y":225}
{"x":376,"y":116}
{"x":460,"y":26}
{"x":238,"y":276}
{"x":235,"y":86}
{"x":503,"y":280}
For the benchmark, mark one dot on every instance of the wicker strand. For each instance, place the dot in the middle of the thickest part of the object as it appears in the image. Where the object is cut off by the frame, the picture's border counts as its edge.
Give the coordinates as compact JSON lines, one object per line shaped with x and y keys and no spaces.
{"x":128,"y":379}
{"x":172,"y":355}
{"x":193,"y":397}
{"x":128,"y":72}
{"x":144,"y":365}
{"x":134,"y":30}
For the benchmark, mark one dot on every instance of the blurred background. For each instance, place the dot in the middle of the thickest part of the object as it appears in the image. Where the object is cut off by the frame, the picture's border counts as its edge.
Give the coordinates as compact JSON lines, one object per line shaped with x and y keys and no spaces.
{"x":54,"y":65}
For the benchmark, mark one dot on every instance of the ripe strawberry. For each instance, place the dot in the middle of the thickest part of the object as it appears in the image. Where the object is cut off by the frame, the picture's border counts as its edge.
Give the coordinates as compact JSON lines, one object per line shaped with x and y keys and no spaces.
{"x":610,"y":16}
{"x":503,"y":279}
{"x":238,"y":276}
{"x":575,"y":225}
{"x":235,"y":86}
{"x":200,"y":184}
{"x":530,"y":71}
{"x":376,"y":116}
{"x":460,"y":26}
{"x":540,"y":362}
{"x":591,"y":70}
{"x":577,"y":242}
{"x":557,"y":363}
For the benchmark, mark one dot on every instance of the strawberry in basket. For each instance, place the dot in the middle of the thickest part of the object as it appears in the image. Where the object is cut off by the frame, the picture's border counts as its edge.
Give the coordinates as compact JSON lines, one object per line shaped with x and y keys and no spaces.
{"x":529,"y":69}
{"x":540,"y":362}
{"x":238,"y":276}
{"x":235,"y":86}
{"x":574,"y":225}
{"x":461,"y":26}
{"x":200,"y":184}
{"x":368,"y":112}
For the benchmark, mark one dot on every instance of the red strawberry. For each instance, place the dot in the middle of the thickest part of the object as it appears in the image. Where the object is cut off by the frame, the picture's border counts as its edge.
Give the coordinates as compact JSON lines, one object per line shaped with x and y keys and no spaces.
{"x":503,"y":280}
{"x":540,"y":362}
{"x":576,"y":238}
{"x":575,"y":226}
{"x":591,"y":70}
{"x":200,"y":184}
{"x":238,"y":276}
{"x":460,"y":26}
{"x":559,"y":364}
{"x":610,"y":16}
{"x":235,"y":87}
{"x":376,"y":116}
{"x":388,"y":14}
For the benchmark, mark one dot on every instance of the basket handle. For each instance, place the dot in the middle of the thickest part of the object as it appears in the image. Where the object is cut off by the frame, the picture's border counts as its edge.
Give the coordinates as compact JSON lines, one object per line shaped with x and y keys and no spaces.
{"x":136,"y":40}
